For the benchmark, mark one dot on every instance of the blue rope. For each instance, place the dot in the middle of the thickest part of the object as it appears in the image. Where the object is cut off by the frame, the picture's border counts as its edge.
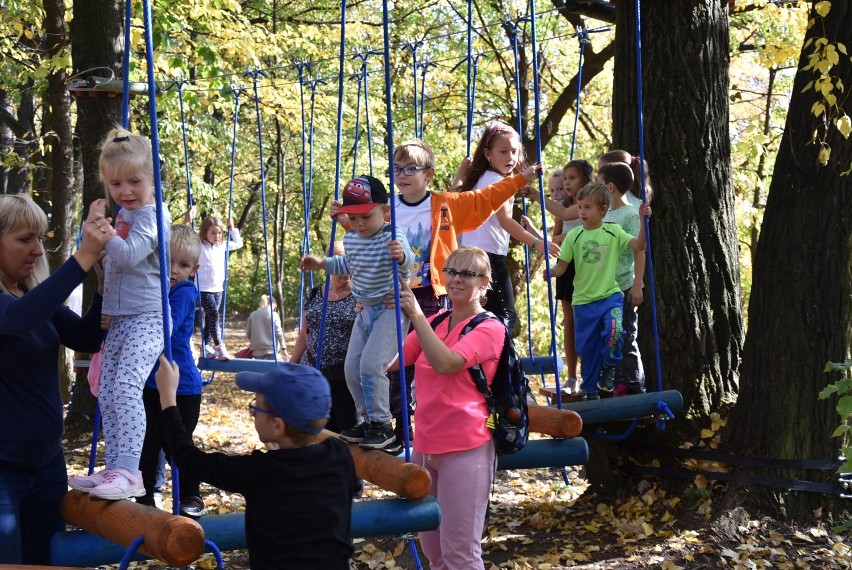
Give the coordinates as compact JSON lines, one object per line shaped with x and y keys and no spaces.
{"x":175,"y":488}
{"x":403,"y":386}
{"x":424,"y":67}
{"x":468,"y":91}
{"x":412,"y":47}
{"x":217,"y":554}
{"x":181,"y":84}
{"x":544,"y":231}
{"x":125,"y":66}
{"x":358,"y":76}
{"x":236,"y":93}
{"x":337,"y":169}
{"x":134,"y":546}
{"x":648,"y":255}
{"x":254,"y":74}
{"x":300,"y":67}
{"x":583,"y":38}
{"x":162,"y":246}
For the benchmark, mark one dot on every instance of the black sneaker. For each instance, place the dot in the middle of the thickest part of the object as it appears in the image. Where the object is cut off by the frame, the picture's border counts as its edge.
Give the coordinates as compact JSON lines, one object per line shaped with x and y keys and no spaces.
{"x":354,"y":434}
{"x":192,"y":507}
{"x":379,"y":436}
{"x":606,"y":382}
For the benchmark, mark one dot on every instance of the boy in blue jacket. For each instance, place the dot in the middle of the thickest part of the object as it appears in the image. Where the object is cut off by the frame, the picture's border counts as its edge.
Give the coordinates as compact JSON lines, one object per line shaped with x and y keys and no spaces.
{"x":185,"y":248}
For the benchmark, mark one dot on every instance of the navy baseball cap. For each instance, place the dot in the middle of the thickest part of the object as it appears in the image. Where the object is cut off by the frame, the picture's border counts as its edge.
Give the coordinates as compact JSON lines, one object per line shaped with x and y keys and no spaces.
{"x":362,"y":194}
{"x":298,"y":394}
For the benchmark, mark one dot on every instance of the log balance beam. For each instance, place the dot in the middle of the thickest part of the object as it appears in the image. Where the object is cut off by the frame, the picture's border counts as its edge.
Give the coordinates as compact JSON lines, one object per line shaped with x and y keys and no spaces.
{"x":391,"y":473}
{"x":174,"y":539}
{"x":625,"y":408}
{"x":369,"y":518}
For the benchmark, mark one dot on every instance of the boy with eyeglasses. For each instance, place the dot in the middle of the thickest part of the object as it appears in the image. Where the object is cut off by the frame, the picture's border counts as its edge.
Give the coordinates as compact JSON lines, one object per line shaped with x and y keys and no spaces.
{"x":432,"y":222}
{"x":299,"y":491}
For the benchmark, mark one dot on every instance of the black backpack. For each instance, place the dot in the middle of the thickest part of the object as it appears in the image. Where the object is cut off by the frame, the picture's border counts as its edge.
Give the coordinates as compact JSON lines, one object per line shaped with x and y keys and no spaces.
{"x":507,"y":398}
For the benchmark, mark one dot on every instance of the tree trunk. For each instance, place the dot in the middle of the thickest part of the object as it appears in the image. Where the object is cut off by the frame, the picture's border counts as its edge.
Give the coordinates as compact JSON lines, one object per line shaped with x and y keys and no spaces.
{"x":693,"y":229}
{"x":801,"y":301}
{"x":95,"y":117}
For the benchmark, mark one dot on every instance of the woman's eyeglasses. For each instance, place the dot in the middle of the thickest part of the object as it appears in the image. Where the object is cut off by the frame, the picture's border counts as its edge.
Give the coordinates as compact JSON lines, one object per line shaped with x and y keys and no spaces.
{"x":463,"y":274}
{"x":252,"y":409}
{"x":409,"y":170}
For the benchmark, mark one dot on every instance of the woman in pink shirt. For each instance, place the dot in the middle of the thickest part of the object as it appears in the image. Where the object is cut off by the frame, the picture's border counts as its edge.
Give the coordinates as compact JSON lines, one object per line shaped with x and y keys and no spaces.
{"x":452,"y":439}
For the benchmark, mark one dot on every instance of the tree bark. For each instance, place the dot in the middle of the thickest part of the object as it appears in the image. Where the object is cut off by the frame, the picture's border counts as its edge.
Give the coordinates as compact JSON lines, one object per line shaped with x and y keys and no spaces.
{"x":96,"y":41}
{"x":693,"y":229}
{"x":801,"y":301}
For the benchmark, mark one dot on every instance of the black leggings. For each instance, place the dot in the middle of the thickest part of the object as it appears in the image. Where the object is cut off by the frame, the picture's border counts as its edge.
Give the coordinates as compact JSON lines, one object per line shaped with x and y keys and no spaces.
{"x":210,"y":303}
{"x":501,"y":295}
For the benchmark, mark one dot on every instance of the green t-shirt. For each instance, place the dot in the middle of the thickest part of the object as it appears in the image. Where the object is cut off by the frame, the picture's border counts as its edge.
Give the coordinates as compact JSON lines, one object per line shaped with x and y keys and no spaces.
{"x":595,"y":255}
{"x":628,"y":218}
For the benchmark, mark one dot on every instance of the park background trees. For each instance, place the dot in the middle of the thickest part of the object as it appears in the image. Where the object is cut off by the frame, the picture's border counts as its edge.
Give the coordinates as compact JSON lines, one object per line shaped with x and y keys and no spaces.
{"x":710,"y":141}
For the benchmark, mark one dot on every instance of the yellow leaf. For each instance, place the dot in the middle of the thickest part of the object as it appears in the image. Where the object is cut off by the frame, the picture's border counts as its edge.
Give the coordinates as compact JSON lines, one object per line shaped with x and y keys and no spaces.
{"x":844,"y":126}
{"x":705,"y":433}
{"x":822,"y":8}
{"x":701,"y":481}
{"x":824,"y":155}
{"x":666,"y":517}
{"x":817,"y":109}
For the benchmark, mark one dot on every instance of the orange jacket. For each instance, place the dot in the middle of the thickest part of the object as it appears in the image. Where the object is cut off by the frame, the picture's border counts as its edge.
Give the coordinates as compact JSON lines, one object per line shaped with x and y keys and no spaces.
{"x":455,"y":213}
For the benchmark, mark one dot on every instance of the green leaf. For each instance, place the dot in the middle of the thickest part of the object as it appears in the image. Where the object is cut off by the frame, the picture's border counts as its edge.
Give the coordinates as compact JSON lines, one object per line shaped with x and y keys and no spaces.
{"x":842,"y":429}
{"x":844,"y":406}
{"x":828,"y":391}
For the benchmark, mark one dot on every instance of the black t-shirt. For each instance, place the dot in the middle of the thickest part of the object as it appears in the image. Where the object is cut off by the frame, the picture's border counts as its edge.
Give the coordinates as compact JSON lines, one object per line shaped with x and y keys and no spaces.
{"x":298,"y":501}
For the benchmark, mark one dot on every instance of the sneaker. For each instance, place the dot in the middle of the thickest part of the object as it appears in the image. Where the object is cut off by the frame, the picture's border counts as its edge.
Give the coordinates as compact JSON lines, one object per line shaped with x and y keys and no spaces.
{"x":86,"y":483}
{"x":119,"y":484}
{"x":606,"y":382}
{"x":354,"y":434}
{"x":192,"y":507}
{"x":222,"y":353}
{"x":570,"y":386}
{"x":379,"y":436}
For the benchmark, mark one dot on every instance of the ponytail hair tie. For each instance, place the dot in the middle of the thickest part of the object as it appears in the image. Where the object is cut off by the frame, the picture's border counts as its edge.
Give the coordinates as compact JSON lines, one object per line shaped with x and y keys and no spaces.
{"x":633,"y":160}
{"x":120,"y":139}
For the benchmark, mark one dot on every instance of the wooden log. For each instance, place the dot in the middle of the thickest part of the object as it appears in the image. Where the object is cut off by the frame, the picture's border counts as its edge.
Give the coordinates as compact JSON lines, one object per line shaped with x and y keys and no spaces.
{"x":563,"y":424}
{"x":228,"y":532}
{"x":174,"y":539}
{"x":393,"y":474}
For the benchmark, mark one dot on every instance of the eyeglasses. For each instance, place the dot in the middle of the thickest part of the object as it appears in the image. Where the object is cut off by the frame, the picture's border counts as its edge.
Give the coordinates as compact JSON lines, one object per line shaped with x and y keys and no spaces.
{"x":409,"y":170}
{"x":463,"y":274}
{"x":252,"y":409}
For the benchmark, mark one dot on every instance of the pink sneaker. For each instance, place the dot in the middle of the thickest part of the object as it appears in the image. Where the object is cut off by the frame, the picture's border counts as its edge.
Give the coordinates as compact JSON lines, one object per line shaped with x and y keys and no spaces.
{"x":119,"y":484}
{"x":86,"y":483}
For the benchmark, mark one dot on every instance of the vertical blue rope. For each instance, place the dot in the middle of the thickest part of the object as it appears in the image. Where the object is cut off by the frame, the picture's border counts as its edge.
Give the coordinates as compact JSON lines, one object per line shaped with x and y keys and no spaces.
{"x":545,"y":239}
{"x":583,"y":38}
{"x":650,"y":261}
{"x":359,"y":77}
{"x":181,"y":84}
{"x":125,"y":67}
{"x":254,"y":74}
{"x":412,"y":47}
{"x":424,"y":67}
{"x":337,"y":169}
{"x":158,"y":184}
{"x":300,"y":67}
{"x":367,"y":113}
{"x":468,"y":93}
{"x":399,"y":332}
{"x":236,"y":91}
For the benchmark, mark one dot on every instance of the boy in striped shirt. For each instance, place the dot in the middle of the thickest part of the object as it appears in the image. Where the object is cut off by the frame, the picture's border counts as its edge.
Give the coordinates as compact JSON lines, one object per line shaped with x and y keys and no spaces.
{"x":370,"y":251}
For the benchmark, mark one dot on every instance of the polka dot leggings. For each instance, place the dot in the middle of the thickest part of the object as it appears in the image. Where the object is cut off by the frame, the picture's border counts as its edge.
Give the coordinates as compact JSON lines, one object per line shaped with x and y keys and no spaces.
{"x":210,"y":304}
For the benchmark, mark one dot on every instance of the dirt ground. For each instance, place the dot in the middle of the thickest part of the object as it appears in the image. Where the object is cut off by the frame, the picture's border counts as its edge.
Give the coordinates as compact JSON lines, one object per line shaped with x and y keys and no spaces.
{"x":550,"y":519}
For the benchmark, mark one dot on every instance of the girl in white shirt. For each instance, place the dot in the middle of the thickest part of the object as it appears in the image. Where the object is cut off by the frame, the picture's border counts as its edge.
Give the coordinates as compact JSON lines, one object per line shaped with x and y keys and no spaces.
{"x":211,"y":281}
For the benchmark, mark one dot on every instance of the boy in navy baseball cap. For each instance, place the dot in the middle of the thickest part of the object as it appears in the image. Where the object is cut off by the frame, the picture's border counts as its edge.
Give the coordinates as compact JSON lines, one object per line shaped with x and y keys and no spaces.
{"x":299,"y":491}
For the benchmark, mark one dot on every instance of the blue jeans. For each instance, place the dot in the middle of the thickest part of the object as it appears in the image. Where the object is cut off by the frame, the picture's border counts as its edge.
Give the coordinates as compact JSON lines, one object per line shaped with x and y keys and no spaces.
{"x":29,"y":511}
{"x":372,"y":348}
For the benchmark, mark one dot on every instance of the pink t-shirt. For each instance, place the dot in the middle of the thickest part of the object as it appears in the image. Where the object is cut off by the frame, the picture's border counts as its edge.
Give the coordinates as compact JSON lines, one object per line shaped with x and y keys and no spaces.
{"x":450,"y":413}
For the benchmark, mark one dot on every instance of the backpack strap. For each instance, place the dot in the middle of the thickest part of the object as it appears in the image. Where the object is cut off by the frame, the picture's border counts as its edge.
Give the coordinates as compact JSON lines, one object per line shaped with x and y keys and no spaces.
{"x":476,"y":372}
